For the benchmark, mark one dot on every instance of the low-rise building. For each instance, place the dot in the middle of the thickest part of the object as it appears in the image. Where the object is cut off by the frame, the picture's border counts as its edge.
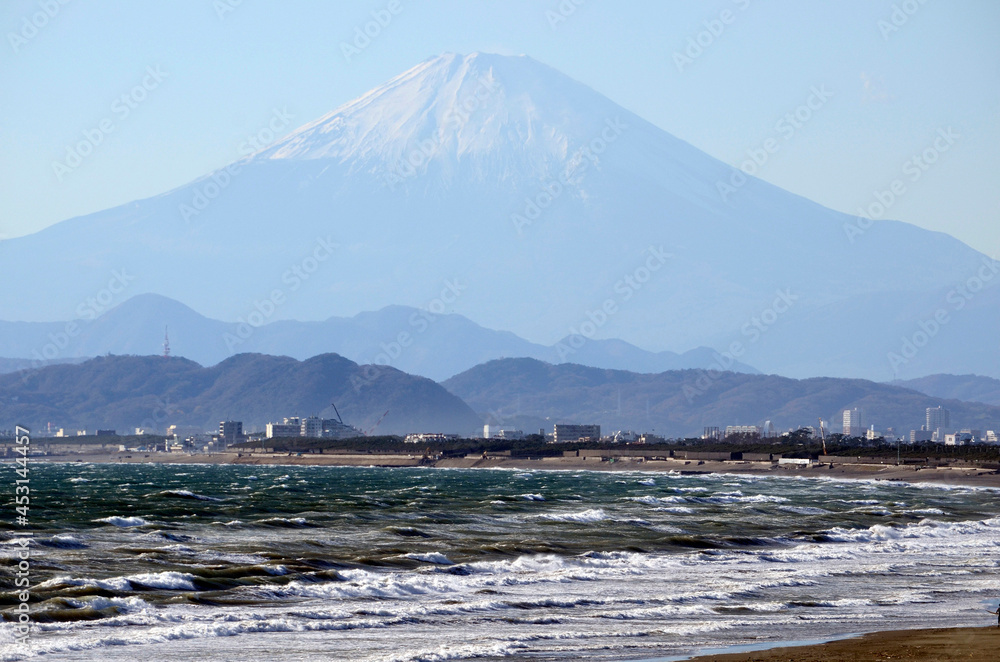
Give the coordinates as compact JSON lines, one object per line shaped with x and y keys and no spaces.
{"x":282,"y":430}
{"x":231,"y":432}
{"x":420,"y":437}
{"x":563,"y":433}
{"x":751,"y":430}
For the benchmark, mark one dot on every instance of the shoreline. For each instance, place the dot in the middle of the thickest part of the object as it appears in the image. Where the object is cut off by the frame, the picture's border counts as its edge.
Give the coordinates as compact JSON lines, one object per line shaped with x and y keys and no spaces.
{"x":945,"y":475}
{"x":970,"y":644}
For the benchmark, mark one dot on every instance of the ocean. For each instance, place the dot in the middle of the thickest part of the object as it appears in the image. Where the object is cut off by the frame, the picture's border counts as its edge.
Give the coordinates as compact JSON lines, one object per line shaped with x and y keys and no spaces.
{"x":182,"y":562}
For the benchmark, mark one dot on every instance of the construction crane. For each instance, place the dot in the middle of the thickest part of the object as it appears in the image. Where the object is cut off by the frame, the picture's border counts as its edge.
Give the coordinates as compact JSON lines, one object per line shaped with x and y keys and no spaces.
{"x":337,"y":413}
{"x":369,"y":433}
{"x":822,"y":434}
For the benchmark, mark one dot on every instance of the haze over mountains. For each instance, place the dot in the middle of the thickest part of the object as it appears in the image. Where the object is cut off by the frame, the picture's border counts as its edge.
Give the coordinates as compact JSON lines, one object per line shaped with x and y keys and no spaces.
{"x":416,"y":341}
{"x":555,"y":211}
{"x":526,"y":392}
{"x":123,"y":392}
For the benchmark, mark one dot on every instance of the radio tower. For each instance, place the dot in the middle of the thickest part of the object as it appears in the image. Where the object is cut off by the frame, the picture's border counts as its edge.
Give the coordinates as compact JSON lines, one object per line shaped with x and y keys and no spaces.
{"x":166,"y":344}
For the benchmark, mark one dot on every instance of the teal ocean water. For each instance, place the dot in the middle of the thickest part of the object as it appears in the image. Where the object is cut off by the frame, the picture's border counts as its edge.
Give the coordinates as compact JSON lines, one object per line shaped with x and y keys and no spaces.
{"x":169,"y":562}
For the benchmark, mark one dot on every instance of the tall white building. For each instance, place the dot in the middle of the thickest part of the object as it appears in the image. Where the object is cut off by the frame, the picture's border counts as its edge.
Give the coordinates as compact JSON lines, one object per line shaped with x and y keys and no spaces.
{"x":938,"y":422}
{"x":854,"y":422}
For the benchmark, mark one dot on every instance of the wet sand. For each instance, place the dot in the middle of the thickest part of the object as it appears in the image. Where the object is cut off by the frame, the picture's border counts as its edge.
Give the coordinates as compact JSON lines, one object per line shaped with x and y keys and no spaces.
{"x":943,"y":645}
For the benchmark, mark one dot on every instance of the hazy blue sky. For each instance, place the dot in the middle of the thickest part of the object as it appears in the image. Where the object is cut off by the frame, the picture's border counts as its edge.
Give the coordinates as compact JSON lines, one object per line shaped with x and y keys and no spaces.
{"x":894,"y":85}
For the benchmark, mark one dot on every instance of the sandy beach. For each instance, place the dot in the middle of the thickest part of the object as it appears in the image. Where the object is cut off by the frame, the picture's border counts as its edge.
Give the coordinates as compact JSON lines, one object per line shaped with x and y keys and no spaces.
{"x":939,"y":645}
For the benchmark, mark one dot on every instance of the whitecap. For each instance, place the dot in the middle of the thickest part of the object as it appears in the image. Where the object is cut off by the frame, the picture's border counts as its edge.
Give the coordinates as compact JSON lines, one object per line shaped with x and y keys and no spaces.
{"x":583,"y":517}
{"x":429,"y":557}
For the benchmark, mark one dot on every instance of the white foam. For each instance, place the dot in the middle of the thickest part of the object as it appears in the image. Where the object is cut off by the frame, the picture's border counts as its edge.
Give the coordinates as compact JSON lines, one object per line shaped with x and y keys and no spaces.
{"x":160,"y":580}
{"x":187,"y":494}
{"x":429,"y":557}
{"x":583,"y":517}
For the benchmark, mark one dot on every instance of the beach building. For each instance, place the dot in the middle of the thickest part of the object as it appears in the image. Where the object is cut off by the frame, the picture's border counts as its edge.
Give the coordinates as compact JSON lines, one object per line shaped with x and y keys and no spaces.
{"x":563,"y":433}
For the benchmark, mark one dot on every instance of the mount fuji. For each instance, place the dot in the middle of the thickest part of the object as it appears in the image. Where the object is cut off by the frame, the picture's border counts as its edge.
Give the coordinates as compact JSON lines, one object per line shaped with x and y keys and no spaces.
{"x":498,"y":188}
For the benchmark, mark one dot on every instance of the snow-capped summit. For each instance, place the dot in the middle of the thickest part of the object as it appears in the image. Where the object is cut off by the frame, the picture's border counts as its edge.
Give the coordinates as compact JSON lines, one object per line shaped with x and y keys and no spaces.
{"x":454,"y":108}
{"x":481,"y":116}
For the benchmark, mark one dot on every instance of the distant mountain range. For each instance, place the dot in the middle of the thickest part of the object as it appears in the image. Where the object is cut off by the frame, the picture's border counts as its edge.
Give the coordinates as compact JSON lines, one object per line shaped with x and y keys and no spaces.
{"x":416,"y":341}
{"x":123,"y":392}
{"x":971,"y":388}
{"x":496,"y":187}
{"x":528,"y":393}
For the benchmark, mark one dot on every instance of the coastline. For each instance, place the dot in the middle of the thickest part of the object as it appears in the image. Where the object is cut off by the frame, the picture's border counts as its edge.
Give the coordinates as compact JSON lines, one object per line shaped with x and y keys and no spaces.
{"x":945,"y":475}
{"x":970,"y":644}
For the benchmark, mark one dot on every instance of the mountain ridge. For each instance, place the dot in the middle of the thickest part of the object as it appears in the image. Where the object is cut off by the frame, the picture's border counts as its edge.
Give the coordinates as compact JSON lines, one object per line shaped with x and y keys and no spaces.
{"x":437,"y":346}
{"x":153,"y":392}
{"x":513,"y":392}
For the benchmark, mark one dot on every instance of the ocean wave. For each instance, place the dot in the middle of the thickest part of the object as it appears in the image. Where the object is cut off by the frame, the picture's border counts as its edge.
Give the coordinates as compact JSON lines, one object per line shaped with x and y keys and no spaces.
{"x":187,"y":494}
{"x":924,"y":529}
{"x":664,"y":611}
{"x":805,"y":510}
{"x":286,"y":522}
{"x":588,"y":516}
{"x":677,"y":510}
{"x":58,"y":541}
{"x":167,"y":580}
{"x":724,"y":498}
{"x":123,"y":522}
{"x":429,"y":557}
{"x":532,"y":497}
{"x":650,"y":500}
